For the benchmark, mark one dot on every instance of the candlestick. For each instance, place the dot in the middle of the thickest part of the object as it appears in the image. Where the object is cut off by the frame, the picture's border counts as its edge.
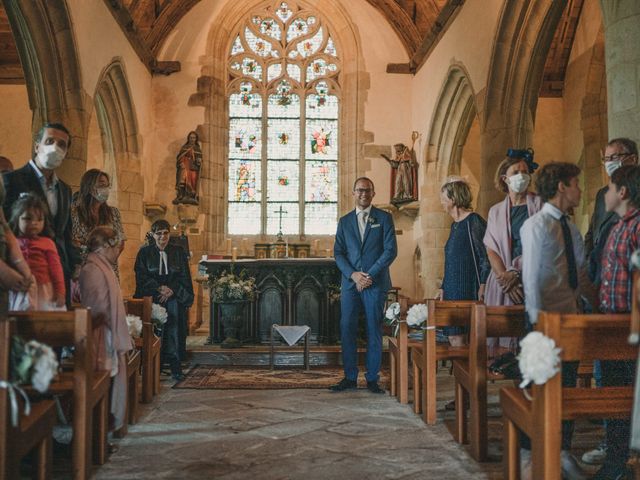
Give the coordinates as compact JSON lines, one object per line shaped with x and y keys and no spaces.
{"x":234,"y":254}
{"x":228,"y":246}
{"x":245,"y":246}
{"x":316,"y":247}
{"x":327,"y":253}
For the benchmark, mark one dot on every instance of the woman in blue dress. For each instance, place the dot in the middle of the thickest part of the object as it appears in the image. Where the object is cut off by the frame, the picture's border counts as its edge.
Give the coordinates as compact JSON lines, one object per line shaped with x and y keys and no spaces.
{"x":466,"y":266}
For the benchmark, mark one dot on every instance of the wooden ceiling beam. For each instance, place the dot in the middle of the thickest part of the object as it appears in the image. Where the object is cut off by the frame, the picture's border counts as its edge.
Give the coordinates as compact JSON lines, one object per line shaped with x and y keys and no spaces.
{"x":442,"y":22}
{"x":128,"y":27}
{"x":170,"y":14}
{"x":401,"y":22}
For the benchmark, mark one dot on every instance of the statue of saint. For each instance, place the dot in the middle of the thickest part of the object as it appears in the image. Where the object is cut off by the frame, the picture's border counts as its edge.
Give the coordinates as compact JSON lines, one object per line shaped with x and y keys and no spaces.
{"x":404,"y":174}
{"x":188,"y":163}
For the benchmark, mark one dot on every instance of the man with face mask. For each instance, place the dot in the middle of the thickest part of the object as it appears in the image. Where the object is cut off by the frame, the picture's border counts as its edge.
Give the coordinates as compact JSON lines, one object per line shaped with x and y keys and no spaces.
{"x":38,"y":177}
{"x":619,"y":151}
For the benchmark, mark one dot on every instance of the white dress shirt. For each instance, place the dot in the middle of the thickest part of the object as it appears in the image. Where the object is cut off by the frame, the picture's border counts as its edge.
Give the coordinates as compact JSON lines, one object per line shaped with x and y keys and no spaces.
{"x":545,"y":271}
{"x":50,"y":191}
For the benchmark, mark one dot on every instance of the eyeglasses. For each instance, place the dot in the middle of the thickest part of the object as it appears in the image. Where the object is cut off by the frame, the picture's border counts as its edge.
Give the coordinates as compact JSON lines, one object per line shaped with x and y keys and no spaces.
{"x":615,"y":157}
{"x":360,"y":191}
{"x":161,"y":233}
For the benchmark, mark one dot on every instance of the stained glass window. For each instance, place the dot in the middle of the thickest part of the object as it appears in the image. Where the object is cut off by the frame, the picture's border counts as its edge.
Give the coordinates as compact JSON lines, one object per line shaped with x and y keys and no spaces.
{"x":284,"y":99}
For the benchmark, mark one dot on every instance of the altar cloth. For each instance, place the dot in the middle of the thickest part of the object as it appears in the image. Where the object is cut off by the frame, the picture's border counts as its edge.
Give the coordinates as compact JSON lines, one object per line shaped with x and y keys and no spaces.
{"x":291,"y":333}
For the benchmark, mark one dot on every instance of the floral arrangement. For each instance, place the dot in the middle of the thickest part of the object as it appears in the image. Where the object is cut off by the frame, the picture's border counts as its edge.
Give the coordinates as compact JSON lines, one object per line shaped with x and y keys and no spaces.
{"x":33,"y":362}
{"x":539,"y":359}
{"x":230,"y":287}
{"x":393,"y":313}
{"x":417,"y":315}
{"x":134,"y":324}
{"x":159,"y":315}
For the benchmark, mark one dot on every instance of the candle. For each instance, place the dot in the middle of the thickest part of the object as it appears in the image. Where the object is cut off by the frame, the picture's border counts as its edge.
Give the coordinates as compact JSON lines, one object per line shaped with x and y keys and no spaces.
{"x":234,"y":254}
{"x":327,"y":253}
{"x":316,"y":247}
{"x":228,"y":246}
{"x":245,"y":246}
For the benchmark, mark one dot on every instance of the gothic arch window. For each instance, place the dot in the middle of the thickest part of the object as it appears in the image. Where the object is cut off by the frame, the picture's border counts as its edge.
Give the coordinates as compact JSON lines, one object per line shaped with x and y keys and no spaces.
{"x":283,"y":96}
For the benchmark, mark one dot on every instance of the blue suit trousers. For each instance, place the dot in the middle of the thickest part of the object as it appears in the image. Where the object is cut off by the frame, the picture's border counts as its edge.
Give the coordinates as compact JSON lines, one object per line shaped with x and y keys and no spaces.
{"x":352,"y":302}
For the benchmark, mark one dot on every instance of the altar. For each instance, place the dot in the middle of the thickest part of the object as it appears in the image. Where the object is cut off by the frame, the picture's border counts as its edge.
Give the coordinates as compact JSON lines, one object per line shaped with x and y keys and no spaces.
{"x":291,"y":291}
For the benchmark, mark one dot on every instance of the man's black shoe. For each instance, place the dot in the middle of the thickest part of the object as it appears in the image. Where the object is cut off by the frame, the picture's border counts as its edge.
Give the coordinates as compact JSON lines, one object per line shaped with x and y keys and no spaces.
{"x":373,"y":387}
{"x":344,"y":384}
{"x":178,"y":377}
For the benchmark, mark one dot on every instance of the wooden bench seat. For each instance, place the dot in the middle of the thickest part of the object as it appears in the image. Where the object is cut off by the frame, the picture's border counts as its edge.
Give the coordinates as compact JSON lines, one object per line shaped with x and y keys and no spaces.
{"x":471,"y":374}
{"x":149,"y":345}
{"x":88,"y":388}
{"x":581,"y":338}
{"x":33,"y":432}
{"x":426,"y":355}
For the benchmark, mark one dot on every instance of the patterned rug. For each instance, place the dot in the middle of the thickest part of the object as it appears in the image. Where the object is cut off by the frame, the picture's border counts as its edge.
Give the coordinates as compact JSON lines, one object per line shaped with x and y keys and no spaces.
{"x":204,"y":377}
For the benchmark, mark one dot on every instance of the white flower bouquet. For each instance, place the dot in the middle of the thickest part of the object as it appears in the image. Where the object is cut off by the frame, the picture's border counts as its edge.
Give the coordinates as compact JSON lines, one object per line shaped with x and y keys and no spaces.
{"x":33,"y":362}
{"x":417,"y":315}
{"x":134,"y":323}
{"x":539,"y":359}
{"x":230,"y":287}
{"x":159,"y":315}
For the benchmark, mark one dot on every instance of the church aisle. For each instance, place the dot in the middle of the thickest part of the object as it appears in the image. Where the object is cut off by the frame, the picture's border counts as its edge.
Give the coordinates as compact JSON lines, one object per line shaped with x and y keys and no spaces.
{"x":287,"y":434}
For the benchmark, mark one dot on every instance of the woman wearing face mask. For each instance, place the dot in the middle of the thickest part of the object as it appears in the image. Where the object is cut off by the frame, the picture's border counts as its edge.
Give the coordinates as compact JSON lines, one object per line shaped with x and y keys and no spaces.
{"x":89,"y":209}
{"x":502,"y":238}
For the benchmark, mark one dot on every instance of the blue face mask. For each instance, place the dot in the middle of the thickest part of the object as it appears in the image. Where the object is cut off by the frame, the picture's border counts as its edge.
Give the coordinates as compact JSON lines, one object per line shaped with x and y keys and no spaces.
{"x":612,"y":166}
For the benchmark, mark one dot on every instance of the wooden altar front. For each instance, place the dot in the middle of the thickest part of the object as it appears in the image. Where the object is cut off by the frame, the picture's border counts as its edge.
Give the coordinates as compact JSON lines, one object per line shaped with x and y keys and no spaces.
{"x":291,"y":291}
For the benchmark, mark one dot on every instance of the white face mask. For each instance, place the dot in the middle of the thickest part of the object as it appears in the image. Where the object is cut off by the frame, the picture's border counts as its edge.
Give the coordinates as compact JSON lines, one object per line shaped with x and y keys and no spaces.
{"x":50,"y":156}
{"x":612,"y":166}
{"x":102,"y":194}
{"x":519,"y":182}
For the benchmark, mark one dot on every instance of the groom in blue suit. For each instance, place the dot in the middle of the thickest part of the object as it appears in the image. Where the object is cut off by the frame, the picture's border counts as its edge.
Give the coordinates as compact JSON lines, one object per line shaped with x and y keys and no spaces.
{"x":364,"y":248}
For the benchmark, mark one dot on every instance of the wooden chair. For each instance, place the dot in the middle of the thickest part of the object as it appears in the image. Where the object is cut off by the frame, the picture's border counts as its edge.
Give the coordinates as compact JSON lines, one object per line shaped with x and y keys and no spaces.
{"x":426,"y":355}
{"x":581,"y":337}
{"x":149,"y":344}
{"x":471,"y":373}
{"x":33,"y":432}
{"x":89,"y":387}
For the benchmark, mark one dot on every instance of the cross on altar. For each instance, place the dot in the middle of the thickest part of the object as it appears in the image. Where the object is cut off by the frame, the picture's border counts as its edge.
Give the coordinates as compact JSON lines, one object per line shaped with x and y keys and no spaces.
{"x":280,"y":211}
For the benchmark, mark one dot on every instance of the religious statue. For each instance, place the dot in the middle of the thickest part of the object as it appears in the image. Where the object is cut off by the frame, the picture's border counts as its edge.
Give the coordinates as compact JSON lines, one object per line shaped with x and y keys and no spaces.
{"x":404,"y":173}
{"x":188,"y":163}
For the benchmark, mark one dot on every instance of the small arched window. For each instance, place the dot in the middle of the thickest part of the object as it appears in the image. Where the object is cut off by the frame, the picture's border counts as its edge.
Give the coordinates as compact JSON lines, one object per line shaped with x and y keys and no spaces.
{"x":284,"y":98}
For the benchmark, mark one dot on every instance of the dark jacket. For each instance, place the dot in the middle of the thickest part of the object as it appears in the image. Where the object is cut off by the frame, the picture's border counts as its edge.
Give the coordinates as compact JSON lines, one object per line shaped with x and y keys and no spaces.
{"x":596,"y":238}
{"x":25,"y":180}
{"x":148,"y":278}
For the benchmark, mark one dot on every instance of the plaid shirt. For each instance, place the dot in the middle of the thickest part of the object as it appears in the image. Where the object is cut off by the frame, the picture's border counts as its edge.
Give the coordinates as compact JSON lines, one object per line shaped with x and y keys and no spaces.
{"x":615,"y":289}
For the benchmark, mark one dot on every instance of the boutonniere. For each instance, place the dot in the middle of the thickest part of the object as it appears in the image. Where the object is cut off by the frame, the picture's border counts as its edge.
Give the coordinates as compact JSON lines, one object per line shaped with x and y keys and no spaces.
{"x":372,"y":220}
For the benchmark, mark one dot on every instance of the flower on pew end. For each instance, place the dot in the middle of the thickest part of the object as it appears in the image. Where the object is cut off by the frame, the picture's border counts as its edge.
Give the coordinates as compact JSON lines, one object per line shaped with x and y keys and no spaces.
{"x":417,"y":315}
{"x":33,"y":362}
{"x":539,"y":359}
{"x":159,"y":314}
{"x":134,"y":323}
{"x":393,"y":313}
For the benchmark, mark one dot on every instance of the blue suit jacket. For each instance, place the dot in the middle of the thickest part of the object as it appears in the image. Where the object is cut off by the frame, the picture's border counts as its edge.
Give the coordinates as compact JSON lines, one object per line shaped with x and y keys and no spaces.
{"x":373,"y":255}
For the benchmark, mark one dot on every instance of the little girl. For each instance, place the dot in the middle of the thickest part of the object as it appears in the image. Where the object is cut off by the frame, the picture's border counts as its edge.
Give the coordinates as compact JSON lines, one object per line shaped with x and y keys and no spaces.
{"x":29,"y":219}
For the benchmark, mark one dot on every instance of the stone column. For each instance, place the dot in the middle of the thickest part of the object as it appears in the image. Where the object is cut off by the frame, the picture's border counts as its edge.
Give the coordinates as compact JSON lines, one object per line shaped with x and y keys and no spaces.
{"x":622,"y":57}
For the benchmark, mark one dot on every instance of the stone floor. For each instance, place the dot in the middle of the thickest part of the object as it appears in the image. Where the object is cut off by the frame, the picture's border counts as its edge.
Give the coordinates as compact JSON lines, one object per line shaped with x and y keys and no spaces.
{"x":287,"y":434}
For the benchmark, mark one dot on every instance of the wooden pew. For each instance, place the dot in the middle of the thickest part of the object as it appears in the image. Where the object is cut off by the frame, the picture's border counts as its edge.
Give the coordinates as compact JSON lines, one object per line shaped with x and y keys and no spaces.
{"x":133,"y":391}
{"x":33,"y":432}
{"x":581,"y":337}
{"x":89,"y":387}
{"x":399,"y":357}
{"x":426,"y":355}
{"x":149,"y":344}
{"x":471,"y":373}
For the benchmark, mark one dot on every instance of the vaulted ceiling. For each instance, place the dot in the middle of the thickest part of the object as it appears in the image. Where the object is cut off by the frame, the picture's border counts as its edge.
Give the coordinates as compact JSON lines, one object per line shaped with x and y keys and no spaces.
{"x":418,"y":23}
